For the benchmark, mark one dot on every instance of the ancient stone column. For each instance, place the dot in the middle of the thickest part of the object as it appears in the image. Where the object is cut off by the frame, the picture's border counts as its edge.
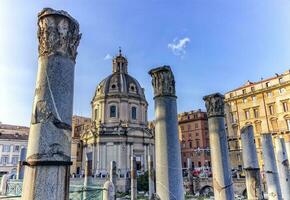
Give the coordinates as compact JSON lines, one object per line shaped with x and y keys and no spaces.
{"x":283,"y":167}
{"x":169,"y":180}
{"x":20,"y":167}
{"x":133,"y":178}
{"x":251,"y":165}
{"x":48,"y":155}
{"x":189,"y":175}
{"x":270,"y":168}
{"x":151,"y":176}
{"x":221,"y":170}
{"x":88,"y":173}
{"x":287,"y":145}
{"x":113,"y":174}
{"x":109,"y":191}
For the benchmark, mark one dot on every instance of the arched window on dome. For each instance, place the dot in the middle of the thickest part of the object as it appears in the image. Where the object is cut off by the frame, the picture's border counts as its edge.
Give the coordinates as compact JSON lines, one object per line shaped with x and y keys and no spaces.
{"x":113,"y":111}
{"x":134,"y":113}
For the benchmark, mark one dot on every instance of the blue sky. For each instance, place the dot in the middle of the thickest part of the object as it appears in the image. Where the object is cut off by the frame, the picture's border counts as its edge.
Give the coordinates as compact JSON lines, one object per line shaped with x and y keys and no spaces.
{"x":211,"y":46}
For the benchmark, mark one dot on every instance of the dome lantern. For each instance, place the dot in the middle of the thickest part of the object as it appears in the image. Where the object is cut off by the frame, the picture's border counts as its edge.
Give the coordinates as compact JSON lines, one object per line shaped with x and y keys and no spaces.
{"x":120,"y":63}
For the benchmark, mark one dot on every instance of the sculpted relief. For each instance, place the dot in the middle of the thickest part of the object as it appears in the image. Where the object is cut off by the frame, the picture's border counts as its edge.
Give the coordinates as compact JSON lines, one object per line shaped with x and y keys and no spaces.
{"x":163,"y":81}
{"x":214,"y":105}
{"x":57,"y":34}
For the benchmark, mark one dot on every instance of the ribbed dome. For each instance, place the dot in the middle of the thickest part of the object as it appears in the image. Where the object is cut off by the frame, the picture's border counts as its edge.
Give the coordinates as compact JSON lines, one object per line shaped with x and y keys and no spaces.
{"x":120,"y":82}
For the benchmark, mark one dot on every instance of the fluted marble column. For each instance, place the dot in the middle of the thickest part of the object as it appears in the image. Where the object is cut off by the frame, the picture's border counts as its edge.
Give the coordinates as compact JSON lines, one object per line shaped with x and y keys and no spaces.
{"x":169,"y":180}
{"x":221,"y":170}
{"x":283,"y":167}
{"x":49,"y":145}
{"x":250,"y":164}
{"x":270,"y":167}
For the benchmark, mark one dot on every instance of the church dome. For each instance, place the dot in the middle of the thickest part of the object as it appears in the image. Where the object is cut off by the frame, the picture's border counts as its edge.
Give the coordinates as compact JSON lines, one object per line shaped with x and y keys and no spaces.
{"x":119,"y":83}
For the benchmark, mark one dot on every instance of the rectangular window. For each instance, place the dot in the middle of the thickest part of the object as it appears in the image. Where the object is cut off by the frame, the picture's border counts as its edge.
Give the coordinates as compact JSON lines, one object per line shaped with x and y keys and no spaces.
{"x":196,"y":126}
{"x":271,"y":109}
{"x":268,"y":84}
{"x":113,"y":111}
{"x":282,"y":90}
{"x":245,"y":100}
{"x":256,"y":112}
{"x":190,"y":144}
{"x":14,"y":160}
{"x":197,"y":143}
{"x":16,"y":148}
{"x":285,"y":106}
{"x":288,"y":124}
{"x":254,"y":98}
{"x":6,"y":148}
{"x":244,"y":91}
{"x":134,"y":113}
{"x":4,"y":160}
{"x":252,"y":89}
{"x":188,"y":127}
{"x":247,"y":114}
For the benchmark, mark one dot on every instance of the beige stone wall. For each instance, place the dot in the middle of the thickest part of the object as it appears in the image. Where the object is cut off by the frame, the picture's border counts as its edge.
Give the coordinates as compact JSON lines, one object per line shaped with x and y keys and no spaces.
{"x":264,"y":104}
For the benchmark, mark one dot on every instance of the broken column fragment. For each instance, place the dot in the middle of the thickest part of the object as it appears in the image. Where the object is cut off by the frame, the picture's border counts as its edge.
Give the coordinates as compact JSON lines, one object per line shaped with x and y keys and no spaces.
{"x":222,"y":178}
{"x":270,"y":168}
{"x":250,"y":164}
{"x":48,"y":155}
{"x":283,"y":167}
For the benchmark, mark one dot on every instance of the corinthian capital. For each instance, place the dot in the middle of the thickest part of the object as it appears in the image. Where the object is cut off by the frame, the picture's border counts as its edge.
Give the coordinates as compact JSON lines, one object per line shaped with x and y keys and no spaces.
{"x":214,"y":104}
{"x":163,"y":81}
{"x":58,"y":33}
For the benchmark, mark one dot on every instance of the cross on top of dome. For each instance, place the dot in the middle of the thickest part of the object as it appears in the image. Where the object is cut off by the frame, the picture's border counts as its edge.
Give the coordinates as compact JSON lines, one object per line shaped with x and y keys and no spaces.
{"x":120,"y":63}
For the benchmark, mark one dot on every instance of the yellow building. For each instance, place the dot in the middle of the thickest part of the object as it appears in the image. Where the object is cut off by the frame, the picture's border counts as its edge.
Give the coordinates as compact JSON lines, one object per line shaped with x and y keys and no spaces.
{"x":265,"y":105}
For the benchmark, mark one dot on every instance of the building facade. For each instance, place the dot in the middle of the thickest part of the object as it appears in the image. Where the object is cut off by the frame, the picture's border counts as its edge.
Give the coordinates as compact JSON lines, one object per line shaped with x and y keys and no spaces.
{"x":119,"y":127}
{"x":79,"y":125}
{"x":194,"y":138}
{"x":265,"y":105}
{"x":12,"y":139}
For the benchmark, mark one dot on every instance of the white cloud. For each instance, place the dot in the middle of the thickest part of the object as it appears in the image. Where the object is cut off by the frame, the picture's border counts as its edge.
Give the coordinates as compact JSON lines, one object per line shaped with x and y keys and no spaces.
{"x":108,"y":57}
{"x":178,"y":46}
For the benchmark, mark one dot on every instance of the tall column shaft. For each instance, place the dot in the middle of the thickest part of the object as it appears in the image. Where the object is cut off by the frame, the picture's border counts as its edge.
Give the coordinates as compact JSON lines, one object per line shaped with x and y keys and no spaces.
{"x":270,"y":167}
{"x":49,"y":145}
{"x":251,"y":165}
{"x":222,"y":178}
{"x":169,"y":180}
{"x":151,"y":176}
{"x":113,"y":175}
{"x":133,"y":178}
{"x":283,"y":167}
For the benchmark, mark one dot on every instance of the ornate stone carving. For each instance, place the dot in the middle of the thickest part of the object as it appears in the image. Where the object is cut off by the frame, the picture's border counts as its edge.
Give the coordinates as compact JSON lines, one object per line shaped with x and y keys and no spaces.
{"x":163,"y":81}
{"x":214,"y":104}
{"x":58,"y":33}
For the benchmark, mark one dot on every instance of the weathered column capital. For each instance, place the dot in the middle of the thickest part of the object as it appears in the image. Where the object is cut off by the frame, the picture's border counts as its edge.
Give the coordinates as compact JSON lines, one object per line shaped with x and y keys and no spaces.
{"x":163,"y":81}
{"x":58,"y":33}
{"x":214,"y":104}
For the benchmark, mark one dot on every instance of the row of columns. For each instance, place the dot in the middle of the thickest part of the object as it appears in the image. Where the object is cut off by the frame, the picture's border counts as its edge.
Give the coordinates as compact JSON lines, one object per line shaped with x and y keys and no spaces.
{"x":276,"y":165}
